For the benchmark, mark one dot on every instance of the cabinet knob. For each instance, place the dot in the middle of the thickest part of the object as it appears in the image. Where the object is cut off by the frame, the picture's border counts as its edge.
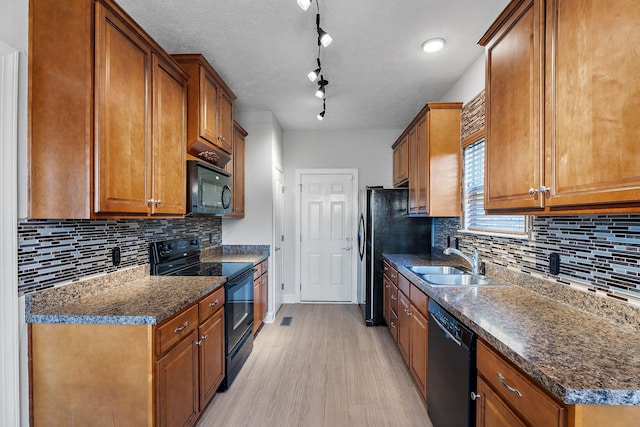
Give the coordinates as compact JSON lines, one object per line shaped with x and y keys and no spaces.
{"x":393,"y":325}
{"x":158,"y":201}
{"x":533,"y":190}
{"x":151,"y":202}
{"x":213,"y":304}
{"x":475,"y":396}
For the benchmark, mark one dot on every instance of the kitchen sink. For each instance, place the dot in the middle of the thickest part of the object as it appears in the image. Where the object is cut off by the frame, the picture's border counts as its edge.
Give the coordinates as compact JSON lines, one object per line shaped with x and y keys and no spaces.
{"x":434,"y":269}
{"x":461,"y":280}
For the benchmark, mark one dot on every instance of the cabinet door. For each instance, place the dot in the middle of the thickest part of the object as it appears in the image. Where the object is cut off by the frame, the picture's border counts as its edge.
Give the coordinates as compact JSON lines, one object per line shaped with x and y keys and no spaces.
{"x":401,"y":163}
{"x":592,"y":102}
{"x":386,"y":308}
{"x":208,"y":107}
{"x":177,"y":384}
{"x":264,"y":295}
{"x":412,"y":141}
{"x":423,"y":160}
{"x":514,"y":105}
{"x":419,"y":350}
{"x":236,"y":167}
{"x":257,"y":304}
{"x":225,"y":121}
{"x":212,"y":360}
{"x":404,"y":326}
{"x":169,"y":121}
{"x":122,"y":117}
{"x":492,"y":411}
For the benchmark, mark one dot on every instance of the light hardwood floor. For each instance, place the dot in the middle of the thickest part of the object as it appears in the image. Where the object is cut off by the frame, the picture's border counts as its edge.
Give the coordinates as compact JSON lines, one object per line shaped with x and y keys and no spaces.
{"x":326,"y":369}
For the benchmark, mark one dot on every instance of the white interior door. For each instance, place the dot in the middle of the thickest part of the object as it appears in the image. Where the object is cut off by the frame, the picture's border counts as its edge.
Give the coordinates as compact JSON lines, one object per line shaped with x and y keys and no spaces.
{"x":278,"y":244}
{"x":326,"y":238}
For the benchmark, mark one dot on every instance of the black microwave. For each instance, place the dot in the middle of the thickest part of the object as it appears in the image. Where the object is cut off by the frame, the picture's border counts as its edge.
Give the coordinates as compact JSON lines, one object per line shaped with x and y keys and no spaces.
{"x":208,"y":190}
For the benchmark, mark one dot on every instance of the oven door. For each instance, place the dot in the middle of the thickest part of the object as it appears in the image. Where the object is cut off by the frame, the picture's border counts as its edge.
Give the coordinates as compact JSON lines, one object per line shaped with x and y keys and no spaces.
{"x":238,"y":308}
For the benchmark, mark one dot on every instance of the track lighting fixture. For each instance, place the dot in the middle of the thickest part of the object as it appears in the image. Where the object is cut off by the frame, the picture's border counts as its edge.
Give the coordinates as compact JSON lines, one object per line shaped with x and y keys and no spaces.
{"x":324,"y":40}
{"x":304,"y":4}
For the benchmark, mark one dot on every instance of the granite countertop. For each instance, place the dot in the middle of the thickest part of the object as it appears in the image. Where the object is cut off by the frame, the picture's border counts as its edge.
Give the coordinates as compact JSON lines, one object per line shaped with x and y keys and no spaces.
{"x":130,"y":296}
{"x":578,"y":357}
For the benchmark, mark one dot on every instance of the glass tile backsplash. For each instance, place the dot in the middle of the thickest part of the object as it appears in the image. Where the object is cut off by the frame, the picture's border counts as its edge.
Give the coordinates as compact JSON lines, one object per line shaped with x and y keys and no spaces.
{"x":600,"y":251}
{"x":58,"y":251}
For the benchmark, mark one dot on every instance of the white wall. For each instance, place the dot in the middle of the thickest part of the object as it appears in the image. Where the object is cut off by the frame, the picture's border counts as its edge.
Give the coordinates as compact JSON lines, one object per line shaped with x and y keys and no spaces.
{"x":468,"y":85}
{"x":263,"y":150}
{"x":367,"y":150}
{"x":14,"y":18}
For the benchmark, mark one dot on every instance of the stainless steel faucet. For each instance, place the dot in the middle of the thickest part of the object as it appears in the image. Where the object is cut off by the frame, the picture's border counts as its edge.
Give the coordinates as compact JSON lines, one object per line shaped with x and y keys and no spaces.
{"x":474,"y":260}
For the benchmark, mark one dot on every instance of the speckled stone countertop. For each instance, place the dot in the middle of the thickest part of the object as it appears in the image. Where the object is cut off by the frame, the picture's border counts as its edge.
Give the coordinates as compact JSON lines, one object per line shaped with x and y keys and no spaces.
{"x":579,"y":357}
{"x":129,"y":296}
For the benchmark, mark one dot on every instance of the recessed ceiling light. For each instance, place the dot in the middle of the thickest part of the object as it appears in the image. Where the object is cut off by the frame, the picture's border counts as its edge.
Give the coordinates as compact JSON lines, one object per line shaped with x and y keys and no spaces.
{"x":433,"y":45}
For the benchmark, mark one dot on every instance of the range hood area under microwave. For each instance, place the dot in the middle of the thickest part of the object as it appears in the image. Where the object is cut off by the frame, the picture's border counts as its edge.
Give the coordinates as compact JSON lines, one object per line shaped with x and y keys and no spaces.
{"x":208,"y":190}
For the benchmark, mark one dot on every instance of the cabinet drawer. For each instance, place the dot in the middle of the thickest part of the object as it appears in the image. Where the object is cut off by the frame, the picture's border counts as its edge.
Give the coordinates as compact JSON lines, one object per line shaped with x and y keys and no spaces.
{"x":258,"y":271}
{"x":210,"y":304}
{"x":520,"y":393}
{"x":394,"y":299}
{"x":404,"y":284}
{"x":175,"y":329}
{"x":393,"y":326}
{"x":391,"y":272}
{"x":419,"y":299}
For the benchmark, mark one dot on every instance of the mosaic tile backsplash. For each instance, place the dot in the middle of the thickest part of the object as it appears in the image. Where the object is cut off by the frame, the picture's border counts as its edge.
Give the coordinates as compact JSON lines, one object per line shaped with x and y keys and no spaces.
{"x":53,"y":251}
{"x":600,"y":251}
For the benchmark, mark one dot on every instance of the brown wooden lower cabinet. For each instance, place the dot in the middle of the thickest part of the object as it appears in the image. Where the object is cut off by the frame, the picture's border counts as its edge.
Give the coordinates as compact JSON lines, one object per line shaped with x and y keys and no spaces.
{"x":406,"y":317}
{"x":260,"y":294}
{"x":492,"y":411}
{"x":128,"y":375}
{"x":177,"y":384}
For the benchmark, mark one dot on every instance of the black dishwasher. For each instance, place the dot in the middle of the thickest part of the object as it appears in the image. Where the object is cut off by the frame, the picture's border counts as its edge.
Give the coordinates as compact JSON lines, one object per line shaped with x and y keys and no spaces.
{"x":451,"y":375}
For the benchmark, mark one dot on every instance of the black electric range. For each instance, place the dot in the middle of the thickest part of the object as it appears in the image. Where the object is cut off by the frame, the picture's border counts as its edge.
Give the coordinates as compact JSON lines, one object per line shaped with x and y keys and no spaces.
{"x":181,"y":257}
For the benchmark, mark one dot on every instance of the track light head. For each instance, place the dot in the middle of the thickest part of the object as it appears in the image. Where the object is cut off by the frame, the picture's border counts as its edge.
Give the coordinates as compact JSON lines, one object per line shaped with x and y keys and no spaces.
{"x":324,"y":38}
{"x":304,"y":4}
{"x":320,"y":93}
{"x":320,"y":115}
{"x":313,"y":75}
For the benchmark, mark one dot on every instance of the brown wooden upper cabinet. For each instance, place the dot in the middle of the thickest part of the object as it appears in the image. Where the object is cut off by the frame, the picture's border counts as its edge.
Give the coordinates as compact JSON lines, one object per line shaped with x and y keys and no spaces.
{"x":237,"y":170}
{"x":400,"y":162}
{"x":106,"y":115}
{"x":433,"y":146}
{"x":560,"y":103}
{"x":210,"y":109}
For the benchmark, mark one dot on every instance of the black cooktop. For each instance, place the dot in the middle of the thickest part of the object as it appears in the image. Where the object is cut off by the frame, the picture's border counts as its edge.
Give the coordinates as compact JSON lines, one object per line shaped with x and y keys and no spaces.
{"x":181,"y":257}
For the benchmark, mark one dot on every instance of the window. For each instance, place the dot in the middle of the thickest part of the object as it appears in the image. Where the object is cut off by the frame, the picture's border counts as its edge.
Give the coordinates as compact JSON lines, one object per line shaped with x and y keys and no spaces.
{"x":473,"y":205}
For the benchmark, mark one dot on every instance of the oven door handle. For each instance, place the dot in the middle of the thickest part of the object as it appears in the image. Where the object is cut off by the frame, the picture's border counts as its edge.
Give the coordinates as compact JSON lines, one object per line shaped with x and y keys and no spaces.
{"x":446,"y":332}
{"x":239,"y":279}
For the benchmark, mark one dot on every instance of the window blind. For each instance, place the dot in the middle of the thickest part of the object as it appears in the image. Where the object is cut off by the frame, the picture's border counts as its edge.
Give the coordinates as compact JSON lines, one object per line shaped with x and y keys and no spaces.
{"x":474,"y":215}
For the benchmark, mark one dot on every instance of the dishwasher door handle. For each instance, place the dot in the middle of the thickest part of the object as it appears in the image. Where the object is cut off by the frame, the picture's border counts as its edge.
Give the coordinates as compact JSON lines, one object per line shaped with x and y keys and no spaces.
{"x":446,"y":332}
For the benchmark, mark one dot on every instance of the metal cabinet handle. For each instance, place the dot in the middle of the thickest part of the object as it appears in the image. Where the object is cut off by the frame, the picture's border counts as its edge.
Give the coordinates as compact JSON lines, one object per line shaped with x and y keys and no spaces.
{"x":393,"y":297}
{"x":544,"y":189}
{"x":158,"y":201}
{"x":151,"y":201}
{"x":507,"y":386}
{"x":213,"y":304}
{"x":181,"y":328}
{"x":533,"y":190}
{"x":393,"y":325}
{"x":475,"y":396}
{"x":393,"y":276}
{"x":204,"y":337}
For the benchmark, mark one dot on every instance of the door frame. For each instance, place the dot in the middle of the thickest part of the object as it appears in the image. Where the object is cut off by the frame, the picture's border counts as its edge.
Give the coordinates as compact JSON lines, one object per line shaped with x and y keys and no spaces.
{"x":276,"y":277}
{"x":9,"y":303}
{"x":354,"y":226}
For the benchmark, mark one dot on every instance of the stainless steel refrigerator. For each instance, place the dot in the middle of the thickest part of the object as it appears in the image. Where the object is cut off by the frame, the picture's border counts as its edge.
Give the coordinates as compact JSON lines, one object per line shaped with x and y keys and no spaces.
{"x":385,"y":227}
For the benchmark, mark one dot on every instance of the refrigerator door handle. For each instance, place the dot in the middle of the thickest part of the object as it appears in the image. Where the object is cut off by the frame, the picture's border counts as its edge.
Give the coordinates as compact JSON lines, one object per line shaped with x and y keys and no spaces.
{"x":361,"y":237}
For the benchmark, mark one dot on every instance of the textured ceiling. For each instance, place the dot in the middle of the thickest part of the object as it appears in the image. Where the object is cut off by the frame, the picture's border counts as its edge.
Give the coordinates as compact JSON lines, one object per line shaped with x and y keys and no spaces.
{"x":378,"y":75}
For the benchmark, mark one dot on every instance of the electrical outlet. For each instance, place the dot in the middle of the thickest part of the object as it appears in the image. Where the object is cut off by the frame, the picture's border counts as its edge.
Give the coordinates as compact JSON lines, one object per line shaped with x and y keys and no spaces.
{"x":554,"y":263}
{"x":282,"y":286}
{"x":115,"y":256}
